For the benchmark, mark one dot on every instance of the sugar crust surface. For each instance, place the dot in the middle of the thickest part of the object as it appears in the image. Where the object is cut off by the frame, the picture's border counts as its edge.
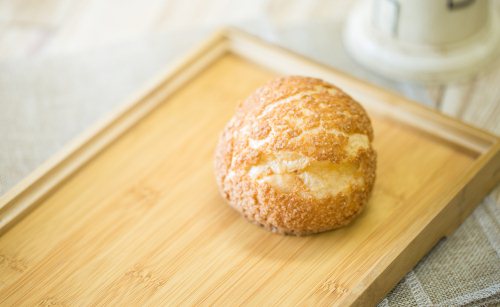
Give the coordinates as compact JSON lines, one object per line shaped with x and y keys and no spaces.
{"x":296,"y":157}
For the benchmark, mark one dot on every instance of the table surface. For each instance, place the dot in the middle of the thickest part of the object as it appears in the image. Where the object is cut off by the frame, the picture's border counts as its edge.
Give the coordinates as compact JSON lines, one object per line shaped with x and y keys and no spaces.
{"x":66,"y":63}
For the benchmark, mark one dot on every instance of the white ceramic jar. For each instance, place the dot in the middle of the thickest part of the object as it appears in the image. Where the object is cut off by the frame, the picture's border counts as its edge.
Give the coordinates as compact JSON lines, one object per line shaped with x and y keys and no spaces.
{"x":426,"y":40}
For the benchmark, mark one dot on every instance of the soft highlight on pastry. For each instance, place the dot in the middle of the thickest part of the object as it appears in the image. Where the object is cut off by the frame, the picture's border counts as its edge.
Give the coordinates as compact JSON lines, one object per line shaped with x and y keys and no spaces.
{"x":296,"y":158}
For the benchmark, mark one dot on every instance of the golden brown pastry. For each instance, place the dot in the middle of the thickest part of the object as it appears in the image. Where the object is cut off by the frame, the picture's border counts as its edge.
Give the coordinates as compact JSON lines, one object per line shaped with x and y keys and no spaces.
{"x":296,"y":157}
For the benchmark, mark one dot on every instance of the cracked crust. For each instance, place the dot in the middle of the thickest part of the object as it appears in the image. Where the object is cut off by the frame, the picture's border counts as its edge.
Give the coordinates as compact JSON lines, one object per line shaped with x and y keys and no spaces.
{"x":296,"y":157}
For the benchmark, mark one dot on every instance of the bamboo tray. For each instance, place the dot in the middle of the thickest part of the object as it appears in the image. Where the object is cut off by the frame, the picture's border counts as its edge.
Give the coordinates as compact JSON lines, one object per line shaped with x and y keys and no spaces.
{"x":129,"y":214}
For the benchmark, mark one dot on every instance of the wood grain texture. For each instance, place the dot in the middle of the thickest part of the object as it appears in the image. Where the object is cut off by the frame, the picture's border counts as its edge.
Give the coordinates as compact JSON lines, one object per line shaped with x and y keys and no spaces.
{"x":143,"y":223}
{"x":22,"y":198}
